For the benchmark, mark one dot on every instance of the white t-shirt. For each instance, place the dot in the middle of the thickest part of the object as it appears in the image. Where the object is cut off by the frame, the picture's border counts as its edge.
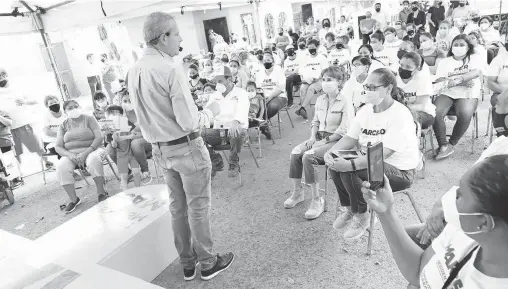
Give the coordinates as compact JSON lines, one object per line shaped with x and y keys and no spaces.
{"x":450,"y":247}
{"x":444,"y":43}
{"x":292,"y":66}
{"x":491,"y":35}
{"x":419,"y":85}
{"x":394,"y":127}
{"x":387,"y":57}
{"x":93,"y":69}
{"x":449,"y":68}
{"x":380,"y":17}
{"x":53,"y":123}
{"x":499,"y":68}
{"x":234,"y":106}
{"x":20,"y":115}
{"x":302,"y":55}
{"x":323,"y":32}
{"x":393,"y":45}
{"x":312,"y":67}
{"x":269,"y":82}
{"x":375,"y":65}
{"x":338,"y":56}
{"x":354,"y":92}
{"x":322,"y":51}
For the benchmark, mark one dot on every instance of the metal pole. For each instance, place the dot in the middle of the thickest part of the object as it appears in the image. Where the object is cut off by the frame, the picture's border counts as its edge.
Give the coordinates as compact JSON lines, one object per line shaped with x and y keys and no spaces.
{"x":500,"y":12}
{"x":257,"y":21}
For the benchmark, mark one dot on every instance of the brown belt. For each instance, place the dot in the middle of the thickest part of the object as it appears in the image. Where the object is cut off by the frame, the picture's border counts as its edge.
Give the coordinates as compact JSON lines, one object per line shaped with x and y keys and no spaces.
{"x":184,"y":139}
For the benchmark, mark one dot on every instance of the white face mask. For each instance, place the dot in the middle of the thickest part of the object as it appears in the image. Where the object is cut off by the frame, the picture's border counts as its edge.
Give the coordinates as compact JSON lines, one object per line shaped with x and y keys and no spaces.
{"x":426,"y":45}
{"x":75,"y":113}
{"x":390,"y":37}
{"x":102,"y":104}
{"x":330,"y":87}
{"x":459,"y":51}
{"x":452,"y":215}
{"x":127,"y":106}
{"x":484,"y":26}
{"x":357,"y":70}
{"x":373,"y":97}
{"x":252,"y":94}
{"x":234,"y":70}
{"x":220,"y":88}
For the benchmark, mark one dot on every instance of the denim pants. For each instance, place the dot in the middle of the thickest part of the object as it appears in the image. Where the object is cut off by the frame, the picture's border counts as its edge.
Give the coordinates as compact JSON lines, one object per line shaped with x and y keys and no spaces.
{"x":140,"y":149}
{"x":274,"y":105}
{"x":212,"y":137}
{"x":187,"y":171}
{"x":291,"y":81}
{"x":464,"y":109}
{"x":348,"y":185}
{"x":303,"y":161}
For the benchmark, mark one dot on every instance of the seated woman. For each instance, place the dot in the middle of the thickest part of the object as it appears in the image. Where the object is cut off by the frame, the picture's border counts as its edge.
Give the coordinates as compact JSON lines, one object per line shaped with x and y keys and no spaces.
{"x":428,"y":50}
{"x":53,"y":118}
{"x":388,"y":57}
{"x":78,"y":140}
{"x":273,"y":82}
{"x":368,"y":52}
{"x":472,"y":250}
{"x":329,"y":44}
{"x":291,"y":71}
{"x":385,"y":120}
{"x":240,"y":78}
{"x":195,"y":81}
{"x":461,"y":69}
{"x":328,"y":126}
{"x":479,"y":44}
{"x":207,"y":72}
{"x":487,"y":30}
{"x":353,"y":88}
{"x":413,"y":34}
{"x":417,"y":88}
{"x":310,"y":71}
{"x":339,"y":55}
{"x":497,"y":81}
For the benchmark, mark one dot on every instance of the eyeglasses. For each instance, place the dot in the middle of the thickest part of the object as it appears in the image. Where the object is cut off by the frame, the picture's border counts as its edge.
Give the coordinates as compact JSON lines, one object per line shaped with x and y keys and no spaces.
{"x":372,"y":87}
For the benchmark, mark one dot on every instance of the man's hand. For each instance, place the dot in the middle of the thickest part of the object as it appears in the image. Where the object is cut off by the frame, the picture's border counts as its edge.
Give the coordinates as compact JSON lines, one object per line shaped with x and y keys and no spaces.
{"x":319,"y":143}
{"x":214,"y":108}
{"x":310,"y":143}
{"x":235,"y":130}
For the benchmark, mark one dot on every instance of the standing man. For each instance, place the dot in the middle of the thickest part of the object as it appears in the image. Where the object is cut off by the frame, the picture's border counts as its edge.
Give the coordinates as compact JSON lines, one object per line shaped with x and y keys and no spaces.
{"x":92,"y":75}
{"x":404,"y":13}
{"x":380,"y":16}
{"x":170,"y":121}
{"x":367,"y":27}
{"x":282,"y":40}
{"x":435,"y":15}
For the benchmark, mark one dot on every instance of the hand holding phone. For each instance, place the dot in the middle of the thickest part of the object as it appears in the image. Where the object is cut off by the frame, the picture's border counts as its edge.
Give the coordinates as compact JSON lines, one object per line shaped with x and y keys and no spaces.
{"x":375,"y":168}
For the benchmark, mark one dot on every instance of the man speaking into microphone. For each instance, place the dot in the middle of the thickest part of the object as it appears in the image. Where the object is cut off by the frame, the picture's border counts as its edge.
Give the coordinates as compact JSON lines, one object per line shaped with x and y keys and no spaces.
{"x":170,"y":121}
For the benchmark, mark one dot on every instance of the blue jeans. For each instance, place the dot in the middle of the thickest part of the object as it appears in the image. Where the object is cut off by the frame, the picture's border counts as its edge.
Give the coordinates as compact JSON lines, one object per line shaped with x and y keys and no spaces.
{"x":187,"y":171}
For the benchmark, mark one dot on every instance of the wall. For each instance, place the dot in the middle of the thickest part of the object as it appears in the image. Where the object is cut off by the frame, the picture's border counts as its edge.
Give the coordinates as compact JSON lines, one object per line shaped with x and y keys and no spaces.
{"x":275,"y":8}
{"x":232,"y":15}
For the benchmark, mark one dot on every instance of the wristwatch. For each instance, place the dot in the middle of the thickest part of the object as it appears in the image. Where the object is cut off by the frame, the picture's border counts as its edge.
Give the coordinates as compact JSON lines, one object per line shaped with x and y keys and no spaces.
{"x":327,"y":139}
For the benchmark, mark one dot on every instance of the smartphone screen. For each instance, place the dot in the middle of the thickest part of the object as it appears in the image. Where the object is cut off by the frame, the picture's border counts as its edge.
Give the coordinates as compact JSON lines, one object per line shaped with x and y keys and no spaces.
{"x":376,"y":170}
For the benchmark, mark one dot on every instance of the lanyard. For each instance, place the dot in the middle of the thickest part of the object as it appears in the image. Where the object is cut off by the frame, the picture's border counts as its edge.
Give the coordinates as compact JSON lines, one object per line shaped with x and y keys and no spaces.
{"x":455,"y":271}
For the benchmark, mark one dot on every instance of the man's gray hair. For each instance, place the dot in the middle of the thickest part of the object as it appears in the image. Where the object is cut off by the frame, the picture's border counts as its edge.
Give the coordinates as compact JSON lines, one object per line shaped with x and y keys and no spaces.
{"x":156,"y":24}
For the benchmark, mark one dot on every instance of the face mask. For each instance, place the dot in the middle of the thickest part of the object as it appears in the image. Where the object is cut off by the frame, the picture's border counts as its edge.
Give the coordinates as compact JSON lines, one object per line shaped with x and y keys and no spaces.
{"x":234,"y":70}
{"x":378,"y":9}
{"x":75,"y":113}
{"x":127,"y":106}
{"x":268,"y":65}
{"x":484,"y":26}
{"x":3,"y":83}
{"x":273,"y":48}
{"x":373,"y":97}
{"x":443,"y":32}
{"x":252,"y":94}
{"x":357,"y":70}
{"x":390,"y":37}
{"x":459,"y":51}
{"x":260,"y":57}
{"x":339,"y":46}
{"x":452,"y":215}
{"x":312,"y":51}
{"x":410,"y":32}
{"x":301,"y":46}
{"x":55,"y":107}
{"x":426,"y":45}
{"x":194,"y":76}
{"x":280,"y":33}
{"x":225,"y":60}
{"x":414,"y":9}
{"x":404,"y":73}
{"x":398,"y":27}
{"x":326,"y":25}
{"x":401,"y":53}
{"x":406,"y":7}
{"x":462,"y":4}
{"x":102,"y":104}
{"x":330,"y":87}
{"x":291,"y":53}
{"x":221,"y":88}
{"x":439,"y":3}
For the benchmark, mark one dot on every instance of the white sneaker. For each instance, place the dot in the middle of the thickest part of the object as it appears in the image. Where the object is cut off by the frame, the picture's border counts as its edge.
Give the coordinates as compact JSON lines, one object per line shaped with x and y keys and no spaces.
{"x":357,"y":227}
{"x":317,"y":207}
{"x":146,"y":178}
{"x":345,"y":215}
{"x":296,"y":198}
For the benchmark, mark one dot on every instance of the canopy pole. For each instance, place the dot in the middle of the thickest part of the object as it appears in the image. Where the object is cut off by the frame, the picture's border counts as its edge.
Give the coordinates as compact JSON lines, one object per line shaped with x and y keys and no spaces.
{"x":257,"y":24}
{"x":500,"y":13}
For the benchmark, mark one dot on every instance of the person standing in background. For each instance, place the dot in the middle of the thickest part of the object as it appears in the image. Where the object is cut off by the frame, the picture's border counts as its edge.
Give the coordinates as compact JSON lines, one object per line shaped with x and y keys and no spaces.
{"x":367,"y":26}
{"x":380,"y":16}
{"x":282,"y":40}
{"x":170,"y":121}
{"x":462,"y":12}
{"x":323,"y":32}
{"x":108,"y":76}
{"x":417,"y":17}
{"x":404,"y":13}
{"x":92,"y":75}
{"x":435,"y":15}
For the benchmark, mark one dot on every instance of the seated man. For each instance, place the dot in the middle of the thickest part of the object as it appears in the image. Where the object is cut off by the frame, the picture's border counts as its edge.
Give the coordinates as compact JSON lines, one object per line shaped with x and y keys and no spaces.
{"x":231,"y":123}
{"x":101,"y":103}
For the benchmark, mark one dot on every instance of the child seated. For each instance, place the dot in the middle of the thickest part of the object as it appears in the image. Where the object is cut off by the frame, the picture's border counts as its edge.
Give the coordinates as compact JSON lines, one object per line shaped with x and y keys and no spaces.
{"x":257,"y":109}
{"x":100,"y":105}
{"x":121,"y":142}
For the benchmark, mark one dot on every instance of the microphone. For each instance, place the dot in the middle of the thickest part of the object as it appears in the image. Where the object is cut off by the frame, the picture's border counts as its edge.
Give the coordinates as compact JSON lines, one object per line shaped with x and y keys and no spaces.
{"x":181,"y":49}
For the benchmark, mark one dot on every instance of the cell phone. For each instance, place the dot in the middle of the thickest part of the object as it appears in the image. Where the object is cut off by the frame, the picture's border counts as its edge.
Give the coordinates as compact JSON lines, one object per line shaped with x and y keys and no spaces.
{"x":375,"y":165}
{"x":346,"y":154}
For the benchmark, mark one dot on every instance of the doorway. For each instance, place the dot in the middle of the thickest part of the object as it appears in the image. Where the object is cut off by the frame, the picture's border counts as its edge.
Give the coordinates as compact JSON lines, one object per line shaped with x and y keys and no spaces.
{"x":219,"y":26}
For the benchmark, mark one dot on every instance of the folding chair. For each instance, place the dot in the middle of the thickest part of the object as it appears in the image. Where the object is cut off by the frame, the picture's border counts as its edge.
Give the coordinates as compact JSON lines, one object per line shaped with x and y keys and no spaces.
{"x":423,"y":142}
{"x":285,"y":108}
{"x":373,"y":217}
{"x":227,"y":147}
{"x":490,"y":126}
{"x":258,"y":129}
{"x":474,"y":132}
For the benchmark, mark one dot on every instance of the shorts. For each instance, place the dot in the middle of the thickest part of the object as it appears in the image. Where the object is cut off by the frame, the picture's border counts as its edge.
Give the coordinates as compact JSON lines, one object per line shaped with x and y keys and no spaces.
{"x":25,"y":136}
{"x":123,"y":162}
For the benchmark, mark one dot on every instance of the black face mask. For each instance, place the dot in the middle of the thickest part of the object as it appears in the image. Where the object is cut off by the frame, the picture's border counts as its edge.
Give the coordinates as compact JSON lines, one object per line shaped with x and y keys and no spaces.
{"x":225,"y":60}
{"x":55,"y":107}
{"x":410,"y":32}
{"x":301,"y":46}
{"x":312,"y":51}
{"x":326,"y":25}
{"x":414,"y":9}
{"x":378,"y":9}
{"x":439,"y":3}
{"x":268,"y":65}
{"x":401,"y":53}
{"x":339,"y":46}
{"x":280,"y":33}
{"x":194,"y":76}
{"x":273,"y":48}
{"x":260,"y":57}
{"x":3,"y":83}
{"x":291,"y":53}
{"x":404,"y":73}
{"x":462,"y":4}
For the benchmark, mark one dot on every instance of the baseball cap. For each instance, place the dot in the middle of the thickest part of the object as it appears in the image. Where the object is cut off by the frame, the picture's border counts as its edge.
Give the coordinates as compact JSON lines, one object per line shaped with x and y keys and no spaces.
{"x":290,"y":47}
{"x":223,"y":71}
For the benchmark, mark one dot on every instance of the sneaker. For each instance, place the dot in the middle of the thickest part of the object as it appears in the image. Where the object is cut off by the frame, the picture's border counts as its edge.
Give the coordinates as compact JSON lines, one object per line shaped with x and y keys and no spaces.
{"x":16,"y":183}
{"x":223,"y":262}
{"x":267,"y":134}
{"x":316,"y":209}
{"x":445,"y":151}
{"x":452,"y":117}
{"x":357,"y":226}
{"x":103,"y":197}
{"x":296,"y":198}
{"x":189,"y":274}
{"x":303,"y":113}
{"x":72,"y":206}
{"x":298,"y":111}
{"x":86,"y":173}
{"x":234,"y":170}
{"x":146,"y":177}
{"x":345,"y":215}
